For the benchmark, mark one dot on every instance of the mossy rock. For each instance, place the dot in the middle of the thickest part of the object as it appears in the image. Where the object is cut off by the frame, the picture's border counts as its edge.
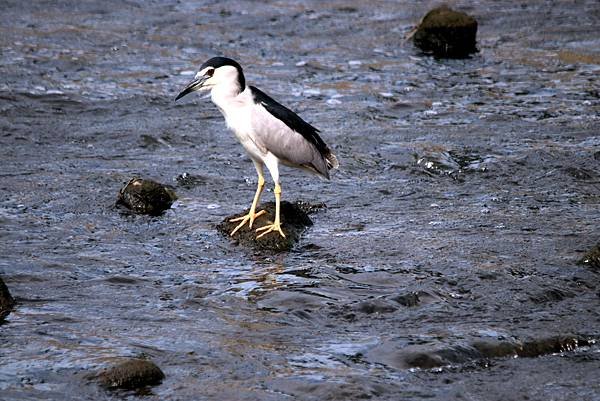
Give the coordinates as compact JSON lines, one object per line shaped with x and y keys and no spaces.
{"x":146,"y":197}
{"x":294,"y":220}
{"x":446,"y":33}
{"x":131,"y":374}
{"x":592,"y":258}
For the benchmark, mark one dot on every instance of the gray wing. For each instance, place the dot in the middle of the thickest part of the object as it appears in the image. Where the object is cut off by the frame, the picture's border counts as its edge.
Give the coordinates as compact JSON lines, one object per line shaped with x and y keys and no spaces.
{"x":291,"y":148}
{"x":294,"y":141}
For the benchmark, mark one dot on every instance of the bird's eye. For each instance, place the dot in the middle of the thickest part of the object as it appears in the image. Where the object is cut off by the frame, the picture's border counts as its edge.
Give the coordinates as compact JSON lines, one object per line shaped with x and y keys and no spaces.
{"x":210,"y":72}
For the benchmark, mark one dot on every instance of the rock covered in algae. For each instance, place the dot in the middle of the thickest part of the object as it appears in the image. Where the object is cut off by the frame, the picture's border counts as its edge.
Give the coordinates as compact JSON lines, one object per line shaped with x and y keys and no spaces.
{"x":146,"y":196}
{"x":446,"y":33}
{"x":294,"y":220}
{"x":131,"y":374}
{"x":592,"y":258}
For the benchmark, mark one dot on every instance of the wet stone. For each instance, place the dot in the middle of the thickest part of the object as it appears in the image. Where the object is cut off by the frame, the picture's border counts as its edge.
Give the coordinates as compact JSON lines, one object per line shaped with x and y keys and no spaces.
{"x":146,"y":197}
{"x":424,"y":358}
{"x":131,"y":374}
{"x":552,"y":295}
{"x":446,"y":33}
{"x":552,"y":345}
{"x":294,"y":220}
{"x":189,"y":181}
{"x":6,"y":301}
{"x":592,"y":258}
{"x":496,"y":348}
{"x":409,"y":299}
{"x":374,"y":306}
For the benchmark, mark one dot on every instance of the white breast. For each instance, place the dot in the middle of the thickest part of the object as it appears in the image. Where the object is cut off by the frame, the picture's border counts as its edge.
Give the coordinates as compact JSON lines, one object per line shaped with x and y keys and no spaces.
{"x":238,"y":116}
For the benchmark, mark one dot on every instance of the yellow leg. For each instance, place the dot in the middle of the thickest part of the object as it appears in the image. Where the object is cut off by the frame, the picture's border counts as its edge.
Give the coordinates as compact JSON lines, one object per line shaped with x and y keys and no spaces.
{"x":252,"y":215}
{"x":276,"y":226}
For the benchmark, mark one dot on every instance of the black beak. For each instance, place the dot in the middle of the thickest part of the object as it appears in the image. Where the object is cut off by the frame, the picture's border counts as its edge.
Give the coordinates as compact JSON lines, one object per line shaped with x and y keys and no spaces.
{"x":193,"y":86}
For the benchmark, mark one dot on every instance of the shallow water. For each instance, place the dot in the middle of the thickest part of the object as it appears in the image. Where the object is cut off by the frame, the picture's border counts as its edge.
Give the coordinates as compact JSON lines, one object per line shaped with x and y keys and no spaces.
{"x":468,"y":190}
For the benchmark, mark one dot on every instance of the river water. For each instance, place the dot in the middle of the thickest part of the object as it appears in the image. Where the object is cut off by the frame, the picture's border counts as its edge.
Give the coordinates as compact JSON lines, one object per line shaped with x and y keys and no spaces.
{"x":468,"y":190}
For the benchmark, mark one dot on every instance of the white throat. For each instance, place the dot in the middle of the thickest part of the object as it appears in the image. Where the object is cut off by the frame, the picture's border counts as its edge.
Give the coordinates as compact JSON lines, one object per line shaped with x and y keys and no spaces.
{"x":228,"y":98}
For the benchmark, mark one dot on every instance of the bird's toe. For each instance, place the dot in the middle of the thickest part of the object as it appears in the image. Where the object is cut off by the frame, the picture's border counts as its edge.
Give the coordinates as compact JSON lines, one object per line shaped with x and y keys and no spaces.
{"x":270,"y":228}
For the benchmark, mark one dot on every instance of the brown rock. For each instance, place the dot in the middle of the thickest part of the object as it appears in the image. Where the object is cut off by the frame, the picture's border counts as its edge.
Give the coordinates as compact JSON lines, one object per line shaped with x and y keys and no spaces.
{"x":131,"y":374}
{"x":592,"y":258}
{"x":446,"y":33}
{"x":146,"y":197}
{"x":294,"y":220}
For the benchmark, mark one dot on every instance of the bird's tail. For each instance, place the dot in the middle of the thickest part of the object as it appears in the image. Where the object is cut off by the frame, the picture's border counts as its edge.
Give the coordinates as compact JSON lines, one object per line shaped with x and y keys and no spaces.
{"x":332,"y":161}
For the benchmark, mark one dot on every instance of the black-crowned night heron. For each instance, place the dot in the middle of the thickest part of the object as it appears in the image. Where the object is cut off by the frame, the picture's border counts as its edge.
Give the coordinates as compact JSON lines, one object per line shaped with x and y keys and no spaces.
{"x":270,"y":132}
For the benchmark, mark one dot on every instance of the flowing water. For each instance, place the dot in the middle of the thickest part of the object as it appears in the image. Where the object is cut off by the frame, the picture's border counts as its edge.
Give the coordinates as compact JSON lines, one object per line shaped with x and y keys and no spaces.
{"x":467,"y":192}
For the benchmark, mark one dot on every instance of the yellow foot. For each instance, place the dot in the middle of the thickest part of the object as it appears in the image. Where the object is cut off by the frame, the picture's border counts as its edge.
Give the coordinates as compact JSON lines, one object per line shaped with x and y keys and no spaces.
{"x":270,"y":227}
{"x":249,"y":218}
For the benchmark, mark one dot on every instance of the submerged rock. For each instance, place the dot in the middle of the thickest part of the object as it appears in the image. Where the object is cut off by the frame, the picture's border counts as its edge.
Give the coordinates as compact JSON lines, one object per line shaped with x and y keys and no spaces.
{"x":6,"y":301}
{"x":375,"y":306}
{"x":131,"y":374}
{"x":446,"y":33}
{"x":478,"y":352}
{"x":189,"y":181}
{"x":410,"y":299}
{"x":552,"y":345}
{"x":146,"y":196}
{"x":592,"y":258}
{"x":294,"y":220}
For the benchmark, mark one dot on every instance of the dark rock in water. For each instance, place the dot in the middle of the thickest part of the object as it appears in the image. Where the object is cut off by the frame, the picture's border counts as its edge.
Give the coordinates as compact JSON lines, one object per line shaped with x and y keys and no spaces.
{"x":294,"y":220}
{"x":552,"y":345}
{"x":496,"y":348}
{"x":592,"y":258}
{"x":146,"y":197}
{"x":189,"y":181}
{"x":552,"y":295}
{"x":424,"y":360}
{"x":446,"y":33}
{"x":374,"y":306}
{"x":532,"y":348}
{"x":410,"y":299}
{"x":424,"y":357}
{"x":6,"y":301}
{"x":131,"y":374}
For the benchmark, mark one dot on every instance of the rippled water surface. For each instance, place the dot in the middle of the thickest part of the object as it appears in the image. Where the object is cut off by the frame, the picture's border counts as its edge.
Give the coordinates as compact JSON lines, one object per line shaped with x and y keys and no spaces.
{"x":468,"y":190}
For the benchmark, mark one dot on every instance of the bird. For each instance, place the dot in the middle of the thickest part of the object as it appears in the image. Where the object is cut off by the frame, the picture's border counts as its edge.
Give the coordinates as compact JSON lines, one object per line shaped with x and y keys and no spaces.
{"x":270,"y":133}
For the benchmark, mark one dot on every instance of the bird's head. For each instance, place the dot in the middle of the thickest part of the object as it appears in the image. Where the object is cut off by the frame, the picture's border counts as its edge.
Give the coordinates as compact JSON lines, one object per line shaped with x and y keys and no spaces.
{"x":218,"y":72}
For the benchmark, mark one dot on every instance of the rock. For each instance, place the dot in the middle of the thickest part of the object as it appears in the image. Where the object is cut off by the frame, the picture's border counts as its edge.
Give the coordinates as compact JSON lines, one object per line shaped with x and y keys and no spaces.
{"x":552,"y":345}
{"x":131,"y":374}
{"x":421,"y":357}
{"x":424,"y":360}
{"x":592,"y":258}
{"x":146,"y":197}
{"x":446,"y":33}
{"x":410,"y":299}
{"x":374,"y":306}
{"x":493,"y":348}
{"x":189,"y":181}
{"x":294,"y":220}
{"x":551,"y":295}
{"x":6,"y":301}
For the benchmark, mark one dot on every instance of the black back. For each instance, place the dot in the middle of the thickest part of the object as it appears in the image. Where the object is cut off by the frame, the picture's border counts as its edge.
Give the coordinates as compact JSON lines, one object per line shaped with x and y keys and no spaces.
{"x":217,"y":62}
{"x":290,"y":119}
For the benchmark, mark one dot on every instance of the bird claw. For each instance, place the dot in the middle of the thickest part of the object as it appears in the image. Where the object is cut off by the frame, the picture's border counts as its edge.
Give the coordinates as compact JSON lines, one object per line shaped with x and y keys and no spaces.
{"x":244,"y":219}
{"x":270,"y":228}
